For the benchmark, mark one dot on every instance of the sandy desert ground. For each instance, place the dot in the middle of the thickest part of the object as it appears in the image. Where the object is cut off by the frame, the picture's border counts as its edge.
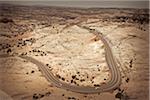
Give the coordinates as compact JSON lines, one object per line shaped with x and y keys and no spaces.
{"x":55,"y":37}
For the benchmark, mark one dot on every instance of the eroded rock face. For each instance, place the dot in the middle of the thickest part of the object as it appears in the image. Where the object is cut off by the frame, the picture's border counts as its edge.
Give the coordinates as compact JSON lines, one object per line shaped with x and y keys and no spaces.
{"x":72,"y":52}
{"x":77,"y":53}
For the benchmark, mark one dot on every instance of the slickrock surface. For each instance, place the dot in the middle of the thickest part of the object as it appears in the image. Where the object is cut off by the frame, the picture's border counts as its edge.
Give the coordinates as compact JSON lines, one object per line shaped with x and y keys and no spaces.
{"x":74,"y":55}
{"x":53,"y":36}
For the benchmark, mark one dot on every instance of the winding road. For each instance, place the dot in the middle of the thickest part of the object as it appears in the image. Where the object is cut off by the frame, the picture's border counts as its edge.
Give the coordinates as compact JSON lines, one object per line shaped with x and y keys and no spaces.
{"x":112,"y":84}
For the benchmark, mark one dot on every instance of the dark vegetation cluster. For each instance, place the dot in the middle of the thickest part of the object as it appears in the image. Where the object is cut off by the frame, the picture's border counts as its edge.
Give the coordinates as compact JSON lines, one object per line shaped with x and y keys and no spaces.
{"x":135,"y":18}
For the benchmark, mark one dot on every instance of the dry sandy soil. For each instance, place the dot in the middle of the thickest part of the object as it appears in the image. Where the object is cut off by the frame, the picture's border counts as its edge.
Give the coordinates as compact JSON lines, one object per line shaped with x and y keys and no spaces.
{"x":53,"y":36}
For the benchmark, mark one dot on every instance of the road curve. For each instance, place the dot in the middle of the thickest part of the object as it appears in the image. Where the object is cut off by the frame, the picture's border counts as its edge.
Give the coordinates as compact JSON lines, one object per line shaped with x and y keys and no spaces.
{"x":112,"y":84}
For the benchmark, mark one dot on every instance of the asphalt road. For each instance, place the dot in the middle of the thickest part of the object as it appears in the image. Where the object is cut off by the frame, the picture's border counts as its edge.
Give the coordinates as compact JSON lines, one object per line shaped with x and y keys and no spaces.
{"x":112,"y":84}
